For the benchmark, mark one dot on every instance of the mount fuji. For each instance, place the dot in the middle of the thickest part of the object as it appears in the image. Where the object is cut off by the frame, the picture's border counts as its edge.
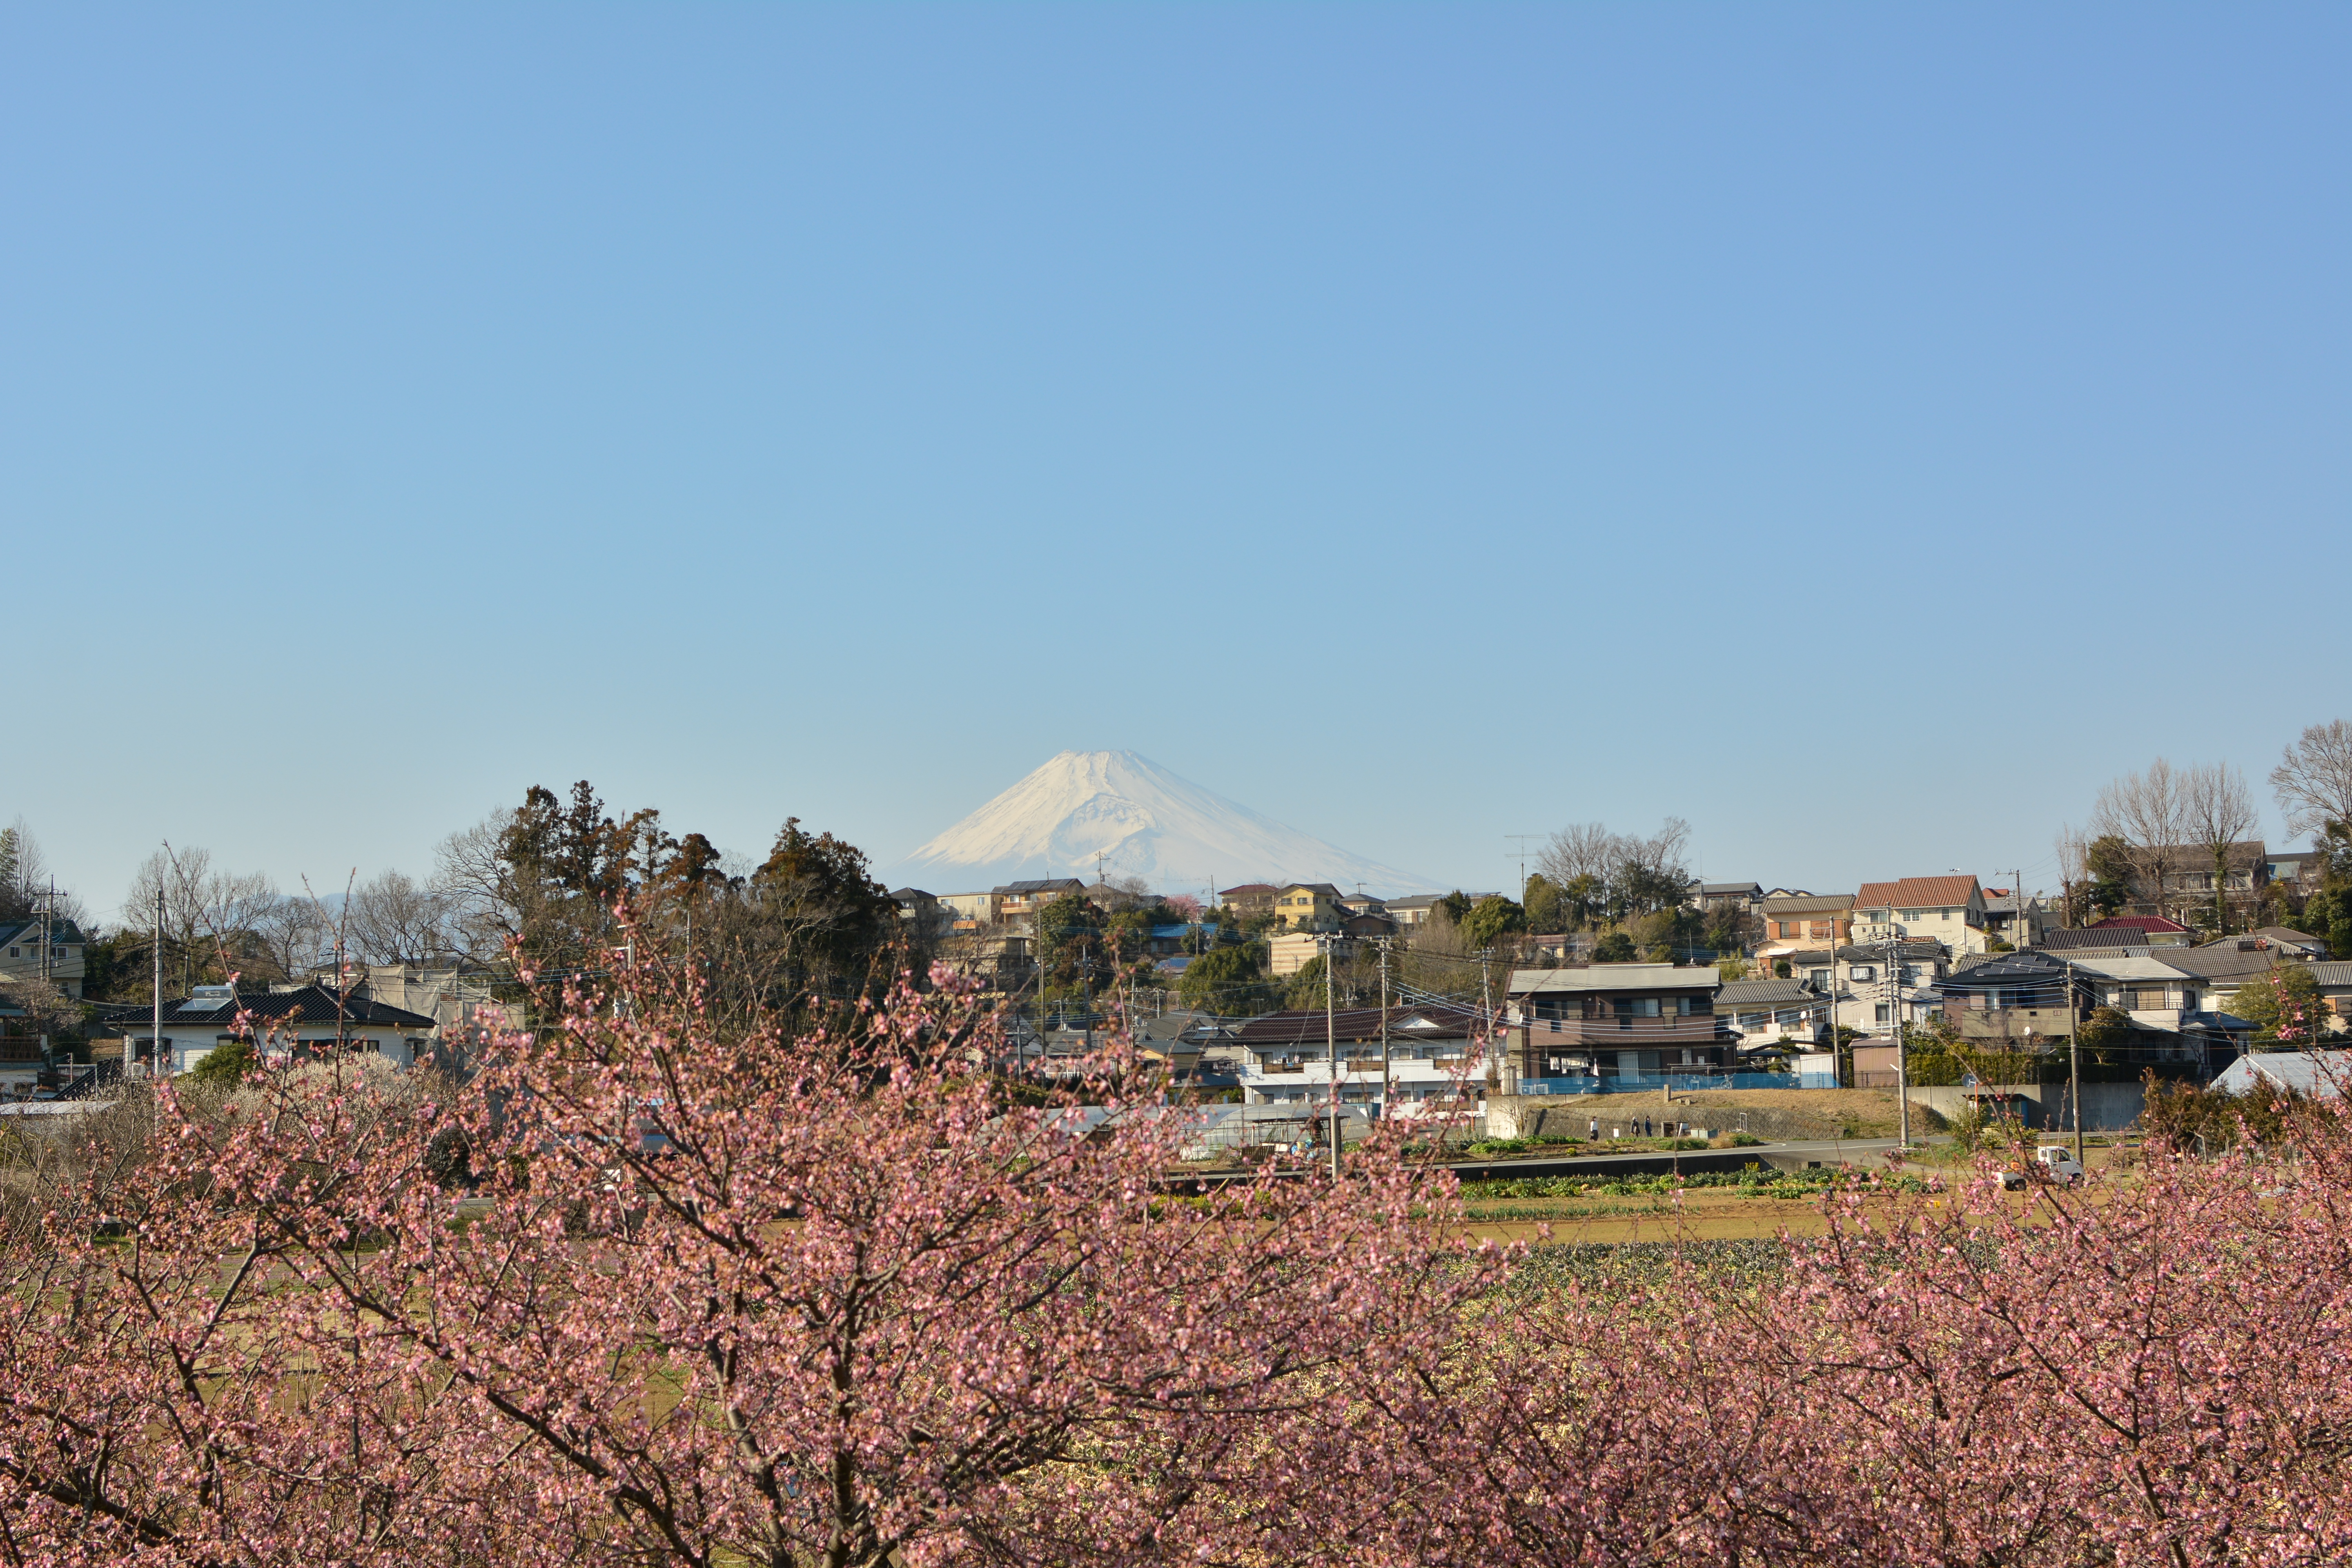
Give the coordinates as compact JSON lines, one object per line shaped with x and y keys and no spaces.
{"x":1143,"y":821}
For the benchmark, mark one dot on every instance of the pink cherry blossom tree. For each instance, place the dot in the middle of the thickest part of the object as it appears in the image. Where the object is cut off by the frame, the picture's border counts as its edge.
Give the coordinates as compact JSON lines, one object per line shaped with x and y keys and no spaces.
{"x":633,"y":1292}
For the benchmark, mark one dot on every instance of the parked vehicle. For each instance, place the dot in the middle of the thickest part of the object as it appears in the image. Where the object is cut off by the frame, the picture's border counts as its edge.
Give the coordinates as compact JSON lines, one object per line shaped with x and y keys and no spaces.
{"x":2057,"y":1165}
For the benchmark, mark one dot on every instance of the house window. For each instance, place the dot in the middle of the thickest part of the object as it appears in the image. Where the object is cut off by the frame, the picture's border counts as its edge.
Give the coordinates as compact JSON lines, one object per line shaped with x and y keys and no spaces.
{"x":1882,"y":1012}
{"x":1819,"y":977}
{"x":1865,"y":972}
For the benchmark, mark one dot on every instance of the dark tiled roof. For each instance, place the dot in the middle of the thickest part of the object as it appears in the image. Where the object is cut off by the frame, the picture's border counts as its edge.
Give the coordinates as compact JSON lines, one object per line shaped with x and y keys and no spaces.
{"x":1356,"y":1024}
{"x":305,"y":1005}
{"x":1041,"y":885}
{"x":2104,"y":938}
{"x":2221,"y":963}
{"x":2006,"y":969}
{"x":60,"y":933}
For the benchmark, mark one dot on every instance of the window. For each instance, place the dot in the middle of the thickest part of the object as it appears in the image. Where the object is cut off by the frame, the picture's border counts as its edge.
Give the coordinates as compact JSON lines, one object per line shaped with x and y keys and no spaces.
{"x":1882,"y":1012}
{"x":1865,"y":972}
{"x":1942,"y":915}
{"x":1687,"y":1006}
{"x":1819,"y":977}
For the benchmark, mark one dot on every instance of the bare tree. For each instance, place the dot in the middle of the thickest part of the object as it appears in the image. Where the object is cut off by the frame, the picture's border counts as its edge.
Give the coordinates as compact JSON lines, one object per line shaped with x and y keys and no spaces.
{"x":2221,"y":813}
{"x":25,"y":879}
{"x":1586,"y":849}
{"x":395,"y":919}
{"x":2313,"y":778}
{"x":473,"y":886}
{"x":294,"y":935}
{"x":2149,"y":812}
{"x":2073,"y":849}
{"x":208,"y":915}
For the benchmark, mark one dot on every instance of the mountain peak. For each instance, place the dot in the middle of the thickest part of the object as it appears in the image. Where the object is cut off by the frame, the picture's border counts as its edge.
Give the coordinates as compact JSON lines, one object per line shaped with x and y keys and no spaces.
{"x":1124,"y":813}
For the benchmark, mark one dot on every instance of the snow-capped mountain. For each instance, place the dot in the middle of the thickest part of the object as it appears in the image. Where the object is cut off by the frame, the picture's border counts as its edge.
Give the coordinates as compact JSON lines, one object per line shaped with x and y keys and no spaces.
{"x":1144,"y":822}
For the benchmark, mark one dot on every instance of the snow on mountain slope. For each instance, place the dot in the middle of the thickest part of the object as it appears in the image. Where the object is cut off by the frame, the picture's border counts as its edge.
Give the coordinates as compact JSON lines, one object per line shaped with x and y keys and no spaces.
{"x":1145,"y":822}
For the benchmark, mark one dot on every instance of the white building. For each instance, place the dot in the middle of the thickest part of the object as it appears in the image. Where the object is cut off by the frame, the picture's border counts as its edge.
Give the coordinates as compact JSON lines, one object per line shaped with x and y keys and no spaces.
{"x":1949,"y":910}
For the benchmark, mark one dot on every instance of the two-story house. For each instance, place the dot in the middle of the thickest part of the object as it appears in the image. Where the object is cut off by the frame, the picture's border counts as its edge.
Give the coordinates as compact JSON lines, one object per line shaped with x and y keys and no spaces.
{"x":1434,"y":1058}
{"x":1310,"y":906}
{"x":1624,"y":1021}
{"x":1410,"y":913}
{"x":2016,"y":917}
{"x":1249,"y":899}
{"x":1020,"y":901}
{"x":1804,"y":919}
{"x":25,"y":955}
{"x":1742,"y":897}
{"x":1949,"y":910}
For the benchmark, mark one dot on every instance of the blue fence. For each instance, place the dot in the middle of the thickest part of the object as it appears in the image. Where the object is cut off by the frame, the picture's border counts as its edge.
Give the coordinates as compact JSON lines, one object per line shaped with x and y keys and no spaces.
{"x":1647,"y":1083}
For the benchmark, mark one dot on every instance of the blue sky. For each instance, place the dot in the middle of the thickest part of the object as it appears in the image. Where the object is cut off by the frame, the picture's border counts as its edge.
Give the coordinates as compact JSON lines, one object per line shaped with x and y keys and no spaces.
{"x":1859,"y":430}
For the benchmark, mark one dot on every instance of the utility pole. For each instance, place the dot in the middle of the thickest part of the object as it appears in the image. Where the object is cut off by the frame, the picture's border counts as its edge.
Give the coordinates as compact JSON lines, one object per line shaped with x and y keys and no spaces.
{"x":1902,"y":1053}
{"x":1523,"y":839}
{"x":1384,"y":1029}
{"x":155,"y":1044}
{"x":1486,"y":1015}
{"x":2073,"y":1061}
{"x":1331,"y":1053}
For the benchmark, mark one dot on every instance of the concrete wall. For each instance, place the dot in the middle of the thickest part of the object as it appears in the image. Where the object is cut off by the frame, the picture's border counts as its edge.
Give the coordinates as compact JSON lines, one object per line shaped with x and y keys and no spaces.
{"x":2106,"y":1106}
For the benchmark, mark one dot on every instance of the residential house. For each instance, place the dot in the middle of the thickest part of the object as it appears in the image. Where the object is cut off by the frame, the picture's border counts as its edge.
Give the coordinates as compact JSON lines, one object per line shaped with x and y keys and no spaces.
{"x":922,"y":919}
{"x":2186,"y":876}
{"x":1249,"y":899}
{"x":2286,"y":941}
{"x":2296,"y":872}
{"x":2016,"y":1000}
{"x":1949,"y":910}
{"x":997,"y":956}
{"x":969,"y":912}
{"x":1360,"y":903}
{"x":1369,"y":926}
{"x":1433,"y":1055}
{"x":299,"y":1020}
{"x":1745,"y":897}
{"x":1290,"y":951}
{"x":2221,"y":967}
{"x":1020,"y":901}
{"x":2157,"y":995}
{"x":24,"y":955}
{"x":1872,"y":988}
{"x":1796,"y":920}
{"x":1624,"y":1021}
{"x":2016,"y":917}
{"x":2089,"y":941}
{"x":2335,"y":979}
{"x":2155,"y":931}
{"x":1764,"y":1012}
{"x":1413,"y":911}
{"x":1310,"y":906}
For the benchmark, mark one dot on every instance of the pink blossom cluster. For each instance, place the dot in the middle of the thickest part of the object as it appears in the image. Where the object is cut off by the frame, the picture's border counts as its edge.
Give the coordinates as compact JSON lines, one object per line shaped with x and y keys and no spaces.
{"x":632,"y":1293}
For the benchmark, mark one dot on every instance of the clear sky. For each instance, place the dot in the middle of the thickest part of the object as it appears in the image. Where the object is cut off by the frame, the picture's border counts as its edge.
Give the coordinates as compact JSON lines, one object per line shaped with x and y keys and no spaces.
{"x":1861,"y":430}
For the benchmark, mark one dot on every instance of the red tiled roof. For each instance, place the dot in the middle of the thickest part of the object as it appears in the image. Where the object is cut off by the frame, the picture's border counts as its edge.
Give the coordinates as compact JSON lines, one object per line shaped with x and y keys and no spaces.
{"x":2137,"y":923}
{"x":1916,"y":892}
